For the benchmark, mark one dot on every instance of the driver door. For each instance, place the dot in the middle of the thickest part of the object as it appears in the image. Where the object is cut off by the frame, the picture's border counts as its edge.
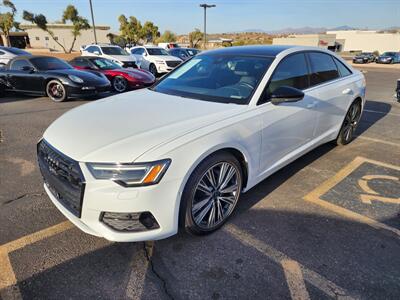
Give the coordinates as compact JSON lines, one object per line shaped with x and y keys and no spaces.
{"x":286,"y":127}
{"x":23,"y":77}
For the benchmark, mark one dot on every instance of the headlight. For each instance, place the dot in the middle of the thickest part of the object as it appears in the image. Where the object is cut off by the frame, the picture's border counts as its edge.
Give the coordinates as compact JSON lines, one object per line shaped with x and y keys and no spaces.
{"x":128,"y":175}
{"x":75,"y":78}
{"x":160,"y":62}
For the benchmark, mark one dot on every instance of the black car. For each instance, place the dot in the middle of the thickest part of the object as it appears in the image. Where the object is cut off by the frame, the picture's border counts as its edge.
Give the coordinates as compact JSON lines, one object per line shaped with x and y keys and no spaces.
{"x":50,"y":76}
{"x":184,"y":53}
{"x":364,"y":58}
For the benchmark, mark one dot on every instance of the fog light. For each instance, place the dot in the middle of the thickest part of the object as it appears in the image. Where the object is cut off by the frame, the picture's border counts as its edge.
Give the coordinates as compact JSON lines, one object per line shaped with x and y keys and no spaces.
{"x":129,"y":222}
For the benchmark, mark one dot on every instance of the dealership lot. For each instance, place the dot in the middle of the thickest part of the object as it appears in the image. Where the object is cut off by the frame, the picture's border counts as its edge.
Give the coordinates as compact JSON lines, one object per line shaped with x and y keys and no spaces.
{"x":326,"y":226}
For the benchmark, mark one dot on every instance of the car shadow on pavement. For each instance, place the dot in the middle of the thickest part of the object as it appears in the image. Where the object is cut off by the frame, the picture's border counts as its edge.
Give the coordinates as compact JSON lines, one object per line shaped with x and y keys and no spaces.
{"x":244,"y":260}
{"x":373,"y":112}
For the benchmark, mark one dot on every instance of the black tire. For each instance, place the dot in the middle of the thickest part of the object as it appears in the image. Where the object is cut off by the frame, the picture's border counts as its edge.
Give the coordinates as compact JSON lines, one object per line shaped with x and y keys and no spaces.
{"x":119,"y":84}
{"x":350,"y":123}
{"x":192,"y":193}
{"x":56,"y":91}
{"x":153,"y":70}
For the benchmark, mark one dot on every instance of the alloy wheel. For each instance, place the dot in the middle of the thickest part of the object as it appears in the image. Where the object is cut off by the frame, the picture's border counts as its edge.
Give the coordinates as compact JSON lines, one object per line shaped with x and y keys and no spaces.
{"x":56,"y":91}
{"x":351,"y":121}
{"x":216,"y":195}
{"x":119,"y":84}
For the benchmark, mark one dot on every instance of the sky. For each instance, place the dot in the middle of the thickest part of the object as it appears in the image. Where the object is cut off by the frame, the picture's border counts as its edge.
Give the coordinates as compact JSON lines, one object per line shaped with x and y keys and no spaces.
{"x":182,"y":16}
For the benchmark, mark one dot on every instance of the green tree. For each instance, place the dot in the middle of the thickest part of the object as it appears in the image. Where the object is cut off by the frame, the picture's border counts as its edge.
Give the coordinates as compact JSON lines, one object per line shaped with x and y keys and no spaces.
{"x":70,"y":14}
{"x":7,"y":20}
{"x":195,"y":37}
{"x":149,"y":32}
{"x":130,"y":30}
{"x":167,"y":36}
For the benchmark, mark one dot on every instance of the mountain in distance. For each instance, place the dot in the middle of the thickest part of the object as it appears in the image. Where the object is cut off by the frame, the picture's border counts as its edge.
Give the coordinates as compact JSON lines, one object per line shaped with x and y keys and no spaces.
{"x":300,"y":30}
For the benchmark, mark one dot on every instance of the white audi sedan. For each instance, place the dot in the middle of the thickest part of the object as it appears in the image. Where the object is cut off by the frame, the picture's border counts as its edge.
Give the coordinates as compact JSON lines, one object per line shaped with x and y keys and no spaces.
{"x":140,"y":165}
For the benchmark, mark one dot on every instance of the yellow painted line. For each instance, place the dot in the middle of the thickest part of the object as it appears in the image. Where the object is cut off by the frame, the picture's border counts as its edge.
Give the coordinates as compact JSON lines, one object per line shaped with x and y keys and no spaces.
{"x":294,"y":279}
{"x":315,"y":279}
{"x":314,"y":196}
{"x":378,"y":141}
{"x":7,"y":275}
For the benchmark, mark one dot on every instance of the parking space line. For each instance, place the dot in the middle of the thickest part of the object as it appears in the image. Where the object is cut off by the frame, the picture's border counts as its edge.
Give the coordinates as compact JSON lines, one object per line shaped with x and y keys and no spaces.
{"x":378,"y":141}
{"x":7,"y":275}
{"x":315,"y":279}
{"x":314,"y":196}
{"x":294,"y":279}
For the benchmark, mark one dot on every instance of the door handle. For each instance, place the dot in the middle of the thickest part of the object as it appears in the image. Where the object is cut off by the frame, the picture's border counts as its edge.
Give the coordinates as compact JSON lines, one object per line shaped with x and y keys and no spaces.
{"x":347,"y":91}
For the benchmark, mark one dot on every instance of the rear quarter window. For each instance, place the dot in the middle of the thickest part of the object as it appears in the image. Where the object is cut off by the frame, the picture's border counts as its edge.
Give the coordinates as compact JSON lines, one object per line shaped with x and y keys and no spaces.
{"x":343,"y":70}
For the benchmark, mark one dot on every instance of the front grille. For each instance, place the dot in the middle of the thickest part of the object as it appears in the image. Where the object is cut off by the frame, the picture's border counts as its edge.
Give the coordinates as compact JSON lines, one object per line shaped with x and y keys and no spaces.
{"x":129,"y":64}
{"x":173,"y":63}
{"x":63,"y":177}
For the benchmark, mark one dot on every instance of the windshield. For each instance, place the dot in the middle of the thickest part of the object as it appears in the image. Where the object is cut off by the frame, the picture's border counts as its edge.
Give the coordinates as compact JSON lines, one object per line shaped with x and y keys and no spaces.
{"x":49,"y":63}
{"x":114,"y":51}
{"x":157,"y":51}
{"x":17,"y":51}
{"x":105,"y":64}
{"x":388,"y":54}
{"x":192,"y":52}
{"x":228,"y":79}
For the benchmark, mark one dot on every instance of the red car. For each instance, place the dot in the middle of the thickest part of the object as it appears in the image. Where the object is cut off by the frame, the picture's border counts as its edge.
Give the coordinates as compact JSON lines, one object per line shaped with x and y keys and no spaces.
{"x":121,"y":79}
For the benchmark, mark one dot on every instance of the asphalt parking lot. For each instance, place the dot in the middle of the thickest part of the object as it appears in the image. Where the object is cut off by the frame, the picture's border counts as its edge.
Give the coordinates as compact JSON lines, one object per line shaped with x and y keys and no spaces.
{"x":325,"y":227}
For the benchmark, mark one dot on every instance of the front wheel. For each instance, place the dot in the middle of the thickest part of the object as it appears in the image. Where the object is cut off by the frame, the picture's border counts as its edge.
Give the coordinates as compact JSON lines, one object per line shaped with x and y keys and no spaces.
{"x":153,"y":70}
{"x":119,"y":84}
{"x":350,"y":124}
{"x":211,"y":193}
{"x":56,"y":91}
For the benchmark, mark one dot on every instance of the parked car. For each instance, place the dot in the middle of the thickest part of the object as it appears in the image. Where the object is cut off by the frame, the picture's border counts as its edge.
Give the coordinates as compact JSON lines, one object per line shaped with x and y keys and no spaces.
{"x":364,"y":58}
{"x":8,"y":53}
{"x":184,"y":53}
{"x":113,"y":52}
{"x":45,"y":75}
{"x":168,"y":45}
{"x":389,"y":58}
{"x":121,"y":79}
{"x":154,"y":59}
{"x":141,"y":164}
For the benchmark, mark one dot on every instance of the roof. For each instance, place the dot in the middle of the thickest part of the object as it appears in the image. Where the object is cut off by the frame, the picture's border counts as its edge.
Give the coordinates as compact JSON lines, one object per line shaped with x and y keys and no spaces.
{"x":28,"y":26}
{"x":259,"y":50}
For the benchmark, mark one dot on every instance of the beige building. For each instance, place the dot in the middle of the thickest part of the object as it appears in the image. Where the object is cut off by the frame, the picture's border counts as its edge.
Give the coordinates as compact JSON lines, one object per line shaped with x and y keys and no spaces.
{"x":368,"y":40}
{"x":345,"y":40}
{"x":41,"y":39}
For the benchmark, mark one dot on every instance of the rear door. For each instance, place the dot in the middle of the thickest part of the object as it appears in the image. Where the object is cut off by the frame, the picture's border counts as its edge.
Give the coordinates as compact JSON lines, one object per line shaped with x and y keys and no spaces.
{"x":287,"y":126}
{"x":331,"y":80}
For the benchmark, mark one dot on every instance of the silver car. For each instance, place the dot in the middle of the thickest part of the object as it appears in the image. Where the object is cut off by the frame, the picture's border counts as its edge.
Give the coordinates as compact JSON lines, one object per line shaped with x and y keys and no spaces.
{"x":8,"y":53}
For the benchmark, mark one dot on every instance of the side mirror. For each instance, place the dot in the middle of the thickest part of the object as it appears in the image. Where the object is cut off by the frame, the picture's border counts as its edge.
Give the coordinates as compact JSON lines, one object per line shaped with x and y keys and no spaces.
{"x":28,"y":69}
{"x":96,"y":52}
{"x":286,"y":94}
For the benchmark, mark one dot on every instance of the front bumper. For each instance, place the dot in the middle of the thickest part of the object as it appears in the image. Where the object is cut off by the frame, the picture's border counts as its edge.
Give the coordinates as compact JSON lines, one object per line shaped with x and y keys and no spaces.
{"x":76,"y":91}
{"x":100,"y":197}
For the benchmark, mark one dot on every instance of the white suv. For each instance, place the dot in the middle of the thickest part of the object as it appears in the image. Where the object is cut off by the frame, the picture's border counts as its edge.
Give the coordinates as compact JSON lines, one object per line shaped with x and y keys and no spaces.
{"x":154,"y":59}
{"x":112,"y":52}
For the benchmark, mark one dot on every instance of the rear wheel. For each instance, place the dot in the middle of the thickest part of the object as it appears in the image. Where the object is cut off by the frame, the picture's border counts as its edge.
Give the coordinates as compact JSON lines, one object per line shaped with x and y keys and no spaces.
{"x":350,"y":124}
{"x":211,"y":194}
{"x":153,"y":70}
{"x":56,"y":91}
{"x":120,"y":84}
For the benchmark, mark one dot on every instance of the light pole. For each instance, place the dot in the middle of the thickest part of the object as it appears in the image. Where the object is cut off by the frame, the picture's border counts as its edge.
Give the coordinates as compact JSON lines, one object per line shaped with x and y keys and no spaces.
{"x":94,"y":26}
{"x":205,"y":6}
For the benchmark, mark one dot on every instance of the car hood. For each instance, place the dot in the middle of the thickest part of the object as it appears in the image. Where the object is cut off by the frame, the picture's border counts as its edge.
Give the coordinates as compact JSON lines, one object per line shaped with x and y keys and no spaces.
{"x":88,"y":77}
{"x":385,"y":57}
{"x":123,"y":127}
{"x":139,"y":74}
{"x":166,"y":57}
{"x":122,"y":57}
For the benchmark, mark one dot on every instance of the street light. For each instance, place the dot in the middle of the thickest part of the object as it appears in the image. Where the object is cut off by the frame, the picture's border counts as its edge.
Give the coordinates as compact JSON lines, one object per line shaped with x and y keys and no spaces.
{"x":94,"y":26}
{"x":205,"y":6}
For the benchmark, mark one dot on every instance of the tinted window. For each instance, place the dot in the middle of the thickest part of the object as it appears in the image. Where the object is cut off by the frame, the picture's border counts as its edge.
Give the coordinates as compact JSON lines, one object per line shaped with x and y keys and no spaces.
{"x":81,"y":62}
{"x":157,"y":51}
{"x":323,"y":68}
{"x":114,"y":51}
{"x":292,"y":71}
{"x":49,"y":63}
{"x":19,"y":64}
{"x":1,"y":52}
{"x":137,"y":51}
{"x":92,"y":49}
{"x":343,"y":70}
{"x":216,"y":78}
{"x":105,"y":64}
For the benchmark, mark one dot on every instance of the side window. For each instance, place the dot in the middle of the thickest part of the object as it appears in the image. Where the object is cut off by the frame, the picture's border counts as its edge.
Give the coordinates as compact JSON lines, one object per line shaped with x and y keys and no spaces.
{"x":2,"y":52}
{"x":292,"y":71}
{"x":81,"y":62}
{"x":90,"y":49}
{"x":19,"y":64}
{"x":138,"y":51}
{"x":323,"y":68}
{"x":343,"y":70}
